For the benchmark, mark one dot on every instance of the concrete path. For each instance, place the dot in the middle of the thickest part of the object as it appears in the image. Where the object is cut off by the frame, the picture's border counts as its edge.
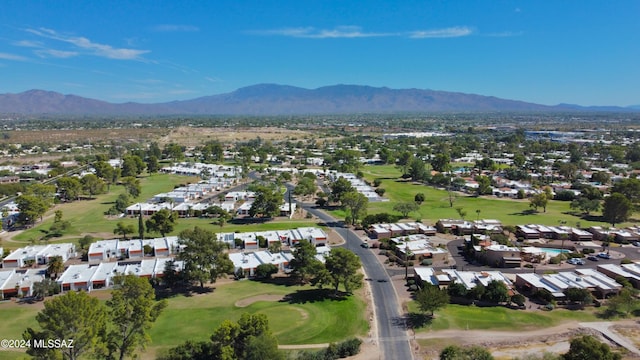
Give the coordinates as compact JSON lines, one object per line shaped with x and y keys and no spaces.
{"x":604,"y":328}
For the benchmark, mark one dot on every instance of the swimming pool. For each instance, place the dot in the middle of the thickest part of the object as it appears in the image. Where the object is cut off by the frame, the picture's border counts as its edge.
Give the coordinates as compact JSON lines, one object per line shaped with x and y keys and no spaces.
{"x":554,"y":252}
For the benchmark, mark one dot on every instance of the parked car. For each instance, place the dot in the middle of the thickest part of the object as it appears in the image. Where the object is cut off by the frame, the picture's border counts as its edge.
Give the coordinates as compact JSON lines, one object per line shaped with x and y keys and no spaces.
{"x":604,"y":256}
{"x":636,"y":243}
{"x":576,"y":261}
{"x":592,"y":258}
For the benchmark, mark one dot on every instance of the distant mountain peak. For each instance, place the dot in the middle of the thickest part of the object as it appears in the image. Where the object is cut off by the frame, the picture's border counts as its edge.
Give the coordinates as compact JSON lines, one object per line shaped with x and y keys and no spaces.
{"x":276,"y":99}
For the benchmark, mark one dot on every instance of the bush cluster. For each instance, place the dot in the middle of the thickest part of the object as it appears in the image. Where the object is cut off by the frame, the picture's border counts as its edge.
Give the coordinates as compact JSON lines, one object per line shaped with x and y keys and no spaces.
{"x":341,"y":350}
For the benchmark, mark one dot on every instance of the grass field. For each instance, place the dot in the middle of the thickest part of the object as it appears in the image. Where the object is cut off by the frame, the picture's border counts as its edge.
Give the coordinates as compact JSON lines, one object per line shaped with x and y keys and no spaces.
{"x":436,"y":206}
{"x":304,"y":319}
{"x":498,"y":318}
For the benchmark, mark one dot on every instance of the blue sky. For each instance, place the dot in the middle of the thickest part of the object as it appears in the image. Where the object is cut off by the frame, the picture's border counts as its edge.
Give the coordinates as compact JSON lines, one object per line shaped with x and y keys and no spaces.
{"x":549,"y":52}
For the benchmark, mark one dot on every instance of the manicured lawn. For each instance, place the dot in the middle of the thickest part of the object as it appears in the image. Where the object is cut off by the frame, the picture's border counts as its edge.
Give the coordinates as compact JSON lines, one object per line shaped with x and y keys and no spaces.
{"x":498,"y":318}
{"x":304,"y":320}
{"x":297,"y":322}
{"x":436,"y":205}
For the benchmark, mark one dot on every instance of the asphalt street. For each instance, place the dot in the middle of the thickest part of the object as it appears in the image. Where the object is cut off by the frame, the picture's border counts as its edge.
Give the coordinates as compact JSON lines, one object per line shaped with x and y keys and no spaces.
{"x":393,"y":338}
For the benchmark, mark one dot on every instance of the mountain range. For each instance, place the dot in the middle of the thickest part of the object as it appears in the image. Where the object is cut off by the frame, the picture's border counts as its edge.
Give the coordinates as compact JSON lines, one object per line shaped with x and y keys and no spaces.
{"x":272,"y":99}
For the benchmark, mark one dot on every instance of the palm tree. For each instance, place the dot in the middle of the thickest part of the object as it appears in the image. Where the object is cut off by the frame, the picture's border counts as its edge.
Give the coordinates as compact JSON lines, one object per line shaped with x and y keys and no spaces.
{"x":56,"y":266}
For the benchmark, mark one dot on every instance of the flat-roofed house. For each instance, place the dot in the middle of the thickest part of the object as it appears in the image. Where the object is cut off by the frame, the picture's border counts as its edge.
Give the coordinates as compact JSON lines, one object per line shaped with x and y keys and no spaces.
{"x":631,"y":272}
{"x":527,"y":233}
{"x":103,"y":250}
{"x":245,"y":261}
{"x":16,"y":282}
{"x":501,"y":256}
{"x":20,"y":257}
{"x":77,"y":277}
{"x":316,"y":236}
{"x":580,"y":235}
{"x":131,"y":249}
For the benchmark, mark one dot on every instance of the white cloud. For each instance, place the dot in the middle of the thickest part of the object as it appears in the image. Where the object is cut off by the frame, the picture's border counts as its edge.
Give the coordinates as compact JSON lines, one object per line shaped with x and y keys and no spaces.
{"x":28,"y":43}
{"x":175,"y":28}
{"x":6,"y":56}
{"x":505,"y":34}
{"x":313,"y":33}
{"x":457,"y":31}
{"x":93,"y":48}
{"x":212,"y":79}
{"x":56,"y":53}
{"x":357,"y":32}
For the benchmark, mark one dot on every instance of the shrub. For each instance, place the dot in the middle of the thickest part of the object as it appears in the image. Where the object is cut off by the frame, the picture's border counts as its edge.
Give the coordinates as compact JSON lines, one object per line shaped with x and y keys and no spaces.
{"x":264,"y":271}
{"x":413,"y":288}
{"x":427,"y":262}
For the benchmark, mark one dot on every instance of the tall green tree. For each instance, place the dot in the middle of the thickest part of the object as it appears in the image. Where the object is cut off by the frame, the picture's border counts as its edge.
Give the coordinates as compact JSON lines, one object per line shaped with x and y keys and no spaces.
{"x":405,"y":208}
{"x":356,"y":205}
{"x":132,"y":310}
{"x":204,"y":256}
{"x":73,"y":316}
{"x":162,"y":221}
{"x":624,"y":303}
{"x":152,"y":164}
{"x":617,"y":209}
{"x":267,"y":201}
{"x":92,"y":185}
{"x":431,"y":298}
{"x":342,"y":267}
{"x":339,"y":187}
{"x":496,"y":292}
{"x":123,"y":229}
{"x":140,"y":226}
{"x":31,"y":208}
{"x":588,"y":347}
{"x":132,"y":186}
{"x":56,"y":266}
{"x":69,"y":188}
{"x":304,"y":264}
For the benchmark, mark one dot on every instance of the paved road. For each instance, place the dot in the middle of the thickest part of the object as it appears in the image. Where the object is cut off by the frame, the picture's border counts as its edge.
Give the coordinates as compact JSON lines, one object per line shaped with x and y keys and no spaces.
{"x":393,"y":338}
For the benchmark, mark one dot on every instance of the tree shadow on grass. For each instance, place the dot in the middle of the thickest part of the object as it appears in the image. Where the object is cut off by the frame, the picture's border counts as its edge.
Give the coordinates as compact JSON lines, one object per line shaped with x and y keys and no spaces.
{"x":526,"y":212}
{"x":163,"y":292}
{"x":313,"y":295}
{"x":280,"y":280}
{"x":414,"y":320}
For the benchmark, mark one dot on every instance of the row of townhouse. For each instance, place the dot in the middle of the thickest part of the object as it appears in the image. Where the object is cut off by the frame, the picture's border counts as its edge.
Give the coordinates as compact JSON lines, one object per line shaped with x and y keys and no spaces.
{"x":387,"y":231}
{"x":470,"y":279}
{"x":250,"y":240}
{"x":597,"y":282}
{"x":90,"y":277}
{"x":205,"y":170}
{"x":626,"y":235}
{"x":535,"y":231}
{"x":463,"y":227}
{"x":17,"y":282}
{"x":249,"y":261}
{"x":132,"y":249}
{"x":184,"y":206}
{"x":38,"y":254}
{"x":359,"y":185}
{"x":418,"y":245}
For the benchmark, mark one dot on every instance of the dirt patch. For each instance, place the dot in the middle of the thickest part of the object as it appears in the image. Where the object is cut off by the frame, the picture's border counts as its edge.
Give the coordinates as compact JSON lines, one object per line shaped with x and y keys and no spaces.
{"x":631,"y":332}
{"x":250,"y":300}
